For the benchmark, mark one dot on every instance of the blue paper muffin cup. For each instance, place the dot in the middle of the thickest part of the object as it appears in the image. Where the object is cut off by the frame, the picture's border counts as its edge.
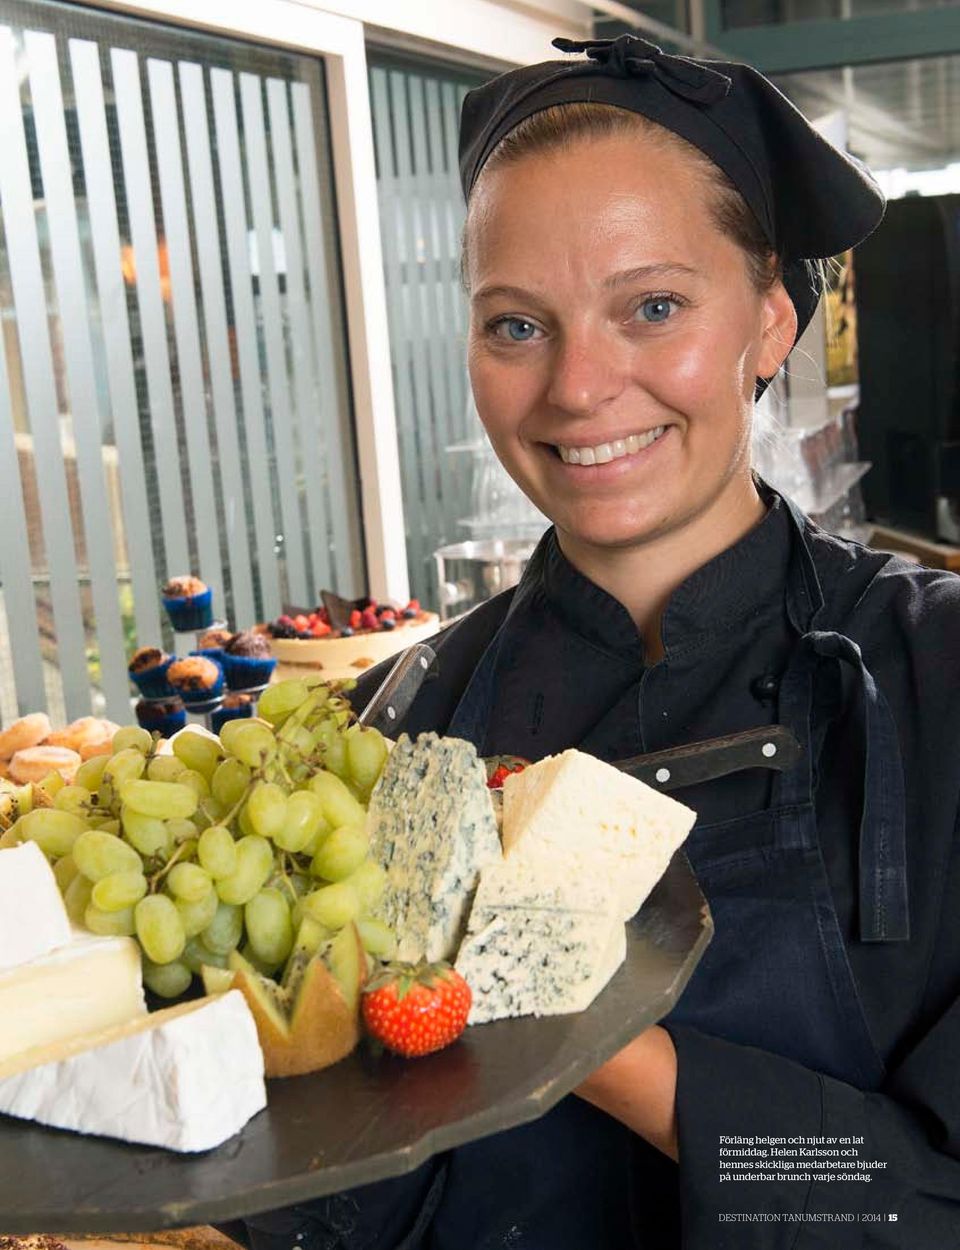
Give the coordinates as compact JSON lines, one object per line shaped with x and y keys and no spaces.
{"x":207,"y":695}
{"x":223,"y":714}
{"x":246,"y":672}
{"x":211,"y":653}
{"x":152,"y":682}
{"x":192,"y":613}
{"x":166,"y":725}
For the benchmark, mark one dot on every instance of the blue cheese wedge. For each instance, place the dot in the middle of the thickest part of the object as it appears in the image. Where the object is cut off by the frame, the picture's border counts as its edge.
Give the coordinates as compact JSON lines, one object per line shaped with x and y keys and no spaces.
{"x":432,"y":829}
{"x":542,"y":939}
{"x":185,"y":1078}
{"x":610,"y":822}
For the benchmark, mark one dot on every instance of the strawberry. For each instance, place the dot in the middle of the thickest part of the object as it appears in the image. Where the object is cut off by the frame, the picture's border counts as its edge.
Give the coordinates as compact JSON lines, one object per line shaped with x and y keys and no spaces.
{"x":414,"y":1009}
{"x":355,"y":618}
{"x":301,"y":623}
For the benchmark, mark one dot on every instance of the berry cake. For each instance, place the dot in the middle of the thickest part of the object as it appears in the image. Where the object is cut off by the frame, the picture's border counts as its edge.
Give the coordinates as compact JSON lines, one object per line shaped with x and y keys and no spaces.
{"x":369,"y":633}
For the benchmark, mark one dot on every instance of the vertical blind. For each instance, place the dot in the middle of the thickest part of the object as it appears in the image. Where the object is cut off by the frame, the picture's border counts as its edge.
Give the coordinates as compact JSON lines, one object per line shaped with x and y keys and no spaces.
{"x":416,"y":115}
{"x":174,"y":393}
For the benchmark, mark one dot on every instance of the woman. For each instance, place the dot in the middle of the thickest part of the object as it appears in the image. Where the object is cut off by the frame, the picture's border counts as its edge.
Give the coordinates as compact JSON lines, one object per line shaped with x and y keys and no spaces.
{"x":637,"y":256}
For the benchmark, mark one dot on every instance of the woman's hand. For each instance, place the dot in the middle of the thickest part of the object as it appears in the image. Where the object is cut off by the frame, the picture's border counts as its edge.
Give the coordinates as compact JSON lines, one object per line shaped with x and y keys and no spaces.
{"x":638,"y":1086}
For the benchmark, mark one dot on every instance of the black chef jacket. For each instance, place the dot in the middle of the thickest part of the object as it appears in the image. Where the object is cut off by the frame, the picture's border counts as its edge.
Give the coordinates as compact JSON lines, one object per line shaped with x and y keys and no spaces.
{"x":578,"y":660}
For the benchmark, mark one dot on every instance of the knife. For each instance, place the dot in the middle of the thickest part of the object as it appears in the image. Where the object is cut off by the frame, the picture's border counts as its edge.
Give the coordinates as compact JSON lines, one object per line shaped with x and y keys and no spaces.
{"x":397,"y":691}
{"x":772,"y":747}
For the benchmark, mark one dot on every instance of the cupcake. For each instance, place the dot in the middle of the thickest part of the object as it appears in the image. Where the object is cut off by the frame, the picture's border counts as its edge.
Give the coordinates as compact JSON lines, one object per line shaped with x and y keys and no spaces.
{"x":234,"y":707}
{"x":196,"y":679}
{"x":247,"y":662}
{"x":148,"y":669}
{"x":188,"y":602}
{"x":163,"y":718}
{"x":211,"y":644}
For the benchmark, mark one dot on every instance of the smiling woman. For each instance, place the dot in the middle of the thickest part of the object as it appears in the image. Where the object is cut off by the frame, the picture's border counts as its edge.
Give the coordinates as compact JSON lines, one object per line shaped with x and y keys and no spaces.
{"x":642,"y":250}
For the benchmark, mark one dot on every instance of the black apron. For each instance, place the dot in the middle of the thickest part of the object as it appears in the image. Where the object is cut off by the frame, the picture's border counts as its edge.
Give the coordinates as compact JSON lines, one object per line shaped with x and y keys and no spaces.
{"x":776,"y":975}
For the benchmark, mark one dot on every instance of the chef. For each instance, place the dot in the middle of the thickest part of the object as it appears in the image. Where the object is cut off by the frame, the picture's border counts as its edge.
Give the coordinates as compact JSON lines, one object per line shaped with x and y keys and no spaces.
{"x":642,"y":251}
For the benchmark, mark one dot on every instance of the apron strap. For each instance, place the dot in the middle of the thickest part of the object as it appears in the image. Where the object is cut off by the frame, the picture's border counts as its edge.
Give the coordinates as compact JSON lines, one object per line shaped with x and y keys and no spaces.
{"x":884,"y":905}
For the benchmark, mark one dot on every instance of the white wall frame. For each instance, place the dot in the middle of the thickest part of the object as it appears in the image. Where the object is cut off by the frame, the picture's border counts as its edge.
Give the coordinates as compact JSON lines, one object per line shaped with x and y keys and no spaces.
{"x":339,"y":42}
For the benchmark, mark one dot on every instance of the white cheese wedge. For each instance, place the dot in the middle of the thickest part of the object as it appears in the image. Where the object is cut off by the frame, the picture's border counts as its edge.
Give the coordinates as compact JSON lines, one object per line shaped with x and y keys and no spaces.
{"x":33,"y":919}
{"x":542,"y":940}
{"x":91,"y":984}
{"x":432,"y":829}
{"x":186,"y":1078}
{"x":609,"y":821}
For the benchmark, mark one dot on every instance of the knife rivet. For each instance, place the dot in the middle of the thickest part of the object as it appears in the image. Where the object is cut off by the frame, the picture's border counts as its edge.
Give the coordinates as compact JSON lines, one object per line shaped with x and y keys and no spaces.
{"x":769,"y":750}
{"x":663,"y":774}
{"x":423,"y":662}
{"x":392,"y":713}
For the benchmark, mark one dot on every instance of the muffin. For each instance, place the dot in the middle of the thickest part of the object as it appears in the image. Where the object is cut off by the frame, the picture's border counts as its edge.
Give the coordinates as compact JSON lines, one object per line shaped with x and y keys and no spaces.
{"x":189,"y":603}
{"x":148,"y":669}
{"x":196,"y":679}
{"x":163,"y":718}
{"x":212,"y":642}
{"x":234,"y":707}
{"x":247,"y":662}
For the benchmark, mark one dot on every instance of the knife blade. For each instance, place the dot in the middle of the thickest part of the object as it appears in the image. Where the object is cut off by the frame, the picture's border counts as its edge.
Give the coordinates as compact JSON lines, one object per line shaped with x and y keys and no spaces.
{"x":772,"y":747}
{"x":395,"y":694}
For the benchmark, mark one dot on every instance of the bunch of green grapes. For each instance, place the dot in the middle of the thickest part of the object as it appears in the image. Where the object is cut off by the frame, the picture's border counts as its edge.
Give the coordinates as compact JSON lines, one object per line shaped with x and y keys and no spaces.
{"x":226,"y":843}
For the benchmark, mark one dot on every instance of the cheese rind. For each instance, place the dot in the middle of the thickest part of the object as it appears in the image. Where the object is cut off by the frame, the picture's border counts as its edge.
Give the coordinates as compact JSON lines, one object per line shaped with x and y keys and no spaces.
{"x":432,"y":829}
{"x":91,"y":984}
{"x":185,"y":1078}
{"x":33,"y":918}
{"x":541,"y":940}
{"x":609,"y":821}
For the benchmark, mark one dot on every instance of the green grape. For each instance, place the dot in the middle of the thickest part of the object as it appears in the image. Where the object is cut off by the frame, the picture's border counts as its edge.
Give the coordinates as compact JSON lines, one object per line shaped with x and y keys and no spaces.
{"x":76,"y":799}
{"x":279,"y":700}
{"x":333,"y":905}
{"x":99,"y":854}
{"x":77,"y":897}
{"x":64,"y":871}
{"x":109,"y":923}
{"x":340,"y":807}
{"x":230,"y":782}
{"x":217,"y":851}
{"x":197,"y":783}
{"x":250,"y":741}
{"x":132,"y":736}
{"x":159,"y":928}
{"x":119,"y":892}
{"x":126,"y":765}
{"x":266,"y":809}
{"x":108,"y":825}
{"x":197,"y":916}
{"x":341,"y":854}
{"x":196,"y":954}
{"x":369,"y":881}
{"x":168,"y":800}
{"x":165,"y":768}
{"x":254,"y":865}
{"x":52,"y":784}
{"x":366,"y":755}
{"x":378,"y":938}
{"x":167,"y":980}
{"x":251,"y":956}
{"x":303,"y":819}
{"x":333,"y":746}
{"x":181,"y":830}
{"x":53,"y":831}
{"x":189,"y":882}
{"x":245,"y":824}
{"x":146,"y":834}
{"x":269,"y":929}
{"x":317,"y":840}
{"x":299,"y":742}
{"x":223,"y":933}
{"x":90,"y":773}
{"x":199,"y":753}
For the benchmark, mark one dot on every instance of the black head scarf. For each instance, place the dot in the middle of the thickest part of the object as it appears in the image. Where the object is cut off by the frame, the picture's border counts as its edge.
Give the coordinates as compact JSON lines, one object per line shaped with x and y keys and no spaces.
{"x":812,"y":201}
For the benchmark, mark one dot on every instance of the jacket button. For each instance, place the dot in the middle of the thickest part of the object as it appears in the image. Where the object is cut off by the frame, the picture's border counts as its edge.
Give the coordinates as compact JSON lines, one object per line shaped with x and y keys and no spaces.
{"x":765,"y":687}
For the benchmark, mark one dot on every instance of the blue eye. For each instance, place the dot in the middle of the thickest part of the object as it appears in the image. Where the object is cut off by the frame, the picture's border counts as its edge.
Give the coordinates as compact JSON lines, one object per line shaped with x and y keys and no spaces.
{"x":657,"y":309}
{"x":518,"y":329}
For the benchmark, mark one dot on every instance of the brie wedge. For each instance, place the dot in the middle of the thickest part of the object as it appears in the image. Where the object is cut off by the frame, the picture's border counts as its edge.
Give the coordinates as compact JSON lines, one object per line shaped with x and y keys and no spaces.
{"x":33,"y":919}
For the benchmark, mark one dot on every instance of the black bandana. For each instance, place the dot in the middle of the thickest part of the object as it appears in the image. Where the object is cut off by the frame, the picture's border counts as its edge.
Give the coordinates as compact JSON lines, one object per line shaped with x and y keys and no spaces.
{"x":812,"y":200}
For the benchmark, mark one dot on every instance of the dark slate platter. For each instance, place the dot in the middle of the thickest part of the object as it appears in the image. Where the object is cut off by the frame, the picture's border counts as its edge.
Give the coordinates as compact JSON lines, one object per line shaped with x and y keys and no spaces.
{"x":367,"y":1117}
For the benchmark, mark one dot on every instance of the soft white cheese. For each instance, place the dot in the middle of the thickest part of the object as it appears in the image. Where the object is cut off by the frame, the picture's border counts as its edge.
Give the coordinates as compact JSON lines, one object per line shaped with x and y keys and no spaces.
{"x":186,"y":1078}
{"x":542,"y":939}
{"x":609,"y":821}
{"x":431,"y":828}
{"x":33,"y":919}
{"x":91,"y":984}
